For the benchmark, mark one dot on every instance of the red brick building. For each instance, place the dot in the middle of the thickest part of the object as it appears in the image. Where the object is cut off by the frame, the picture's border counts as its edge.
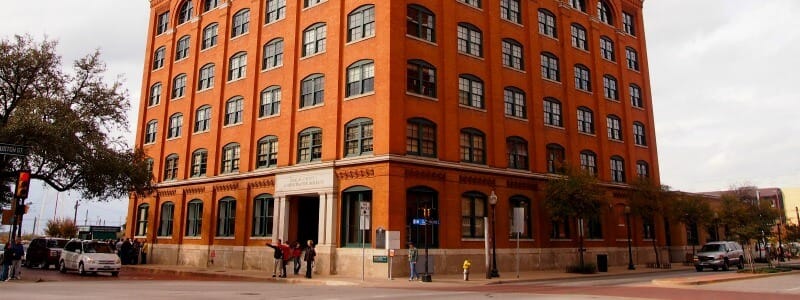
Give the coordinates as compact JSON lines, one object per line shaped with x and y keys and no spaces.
{"x":273,"y":119}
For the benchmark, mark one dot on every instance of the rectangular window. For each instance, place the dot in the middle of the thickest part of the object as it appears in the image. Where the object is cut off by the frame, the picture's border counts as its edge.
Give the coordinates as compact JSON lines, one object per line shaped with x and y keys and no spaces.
{"x":273,"y":54}
{"x":512,"y":55}
{"x":167,"y":213}
{"x":550,"y":67}
{"x":310,"y":3}
{"x":270,"y":102}
{"x":515,"y":103}
{"x":552,"y":113}
{"x":628,"y":24}
{"x":237,"y":67}
{"x":614,"y":128}
{"x":226,"y":222}
{"x":162,"y":23}
{"x":310,"y":146}
{"x":421,"y":79}
{"x":579,"y":37}
{"x":203,"y":119}
{"x":509,"y":10}
{"x":263,"y":213}
{"x":632,"y":58}
{"x":470,"y":40}
{"x":312,"y":91}
{"x":276,"y":10}
{"x":585,"y":121}
{"x":210,"y":36}
{"x":194,"y":218}
{"x":421,"y":139}
{"x":473,"y":3}
{"x":199,"y":163}
{"x":636,"y":96}
{"x":547,"y":24}
{"x":473,"y":210}
{"x":610,"y":88}
{"x":420,"y":23}
{"x":267,"y":153}
{"x":361,"y":24}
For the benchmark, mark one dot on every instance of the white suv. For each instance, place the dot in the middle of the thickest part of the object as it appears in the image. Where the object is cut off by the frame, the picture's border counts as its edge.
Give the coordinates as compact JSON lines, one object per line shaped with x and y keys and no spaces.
{"x":89,"y":256}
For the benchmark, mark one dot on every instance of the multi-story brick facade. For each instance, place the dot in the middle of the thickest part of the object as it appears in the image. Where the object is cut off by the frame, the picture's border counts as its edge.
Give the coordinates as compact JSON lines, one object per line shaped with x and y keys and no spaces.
{"x":273,"y":119}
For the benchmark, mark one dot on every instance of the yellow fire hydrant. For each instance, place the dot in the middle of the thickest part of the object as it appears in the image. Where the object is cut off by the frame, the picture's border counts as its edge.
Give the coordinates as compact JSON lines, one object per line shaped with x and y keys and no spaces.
{"x":466,"y":266}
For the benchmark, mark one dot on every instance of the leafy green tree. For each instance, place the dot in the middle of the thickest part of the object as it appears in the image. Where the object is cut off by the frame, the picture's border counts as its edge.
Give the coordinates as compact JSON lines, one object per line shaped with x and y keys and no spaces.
{"x":792,"y":233}
{"x":649,"y":201}
{"x":576,"y":195}
{"x":71,"y":121}
{"x":63,"y":228}
{"x":748,"y":218}
{"x":693,"y":211}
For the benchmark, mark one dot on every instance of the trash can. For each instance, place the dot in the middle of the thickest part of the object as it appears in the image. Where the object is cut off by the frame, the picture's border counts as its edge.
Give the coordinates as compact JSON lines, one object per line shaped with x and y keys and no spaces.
{"x":602,"y":262}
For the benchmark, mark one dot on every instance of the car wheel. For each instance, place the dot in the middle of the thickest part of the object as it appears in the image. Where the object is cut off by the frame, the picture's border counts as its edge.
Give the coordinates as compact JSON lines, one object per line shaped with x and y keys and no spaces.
{"x":725,"y":265}
{"x":81,"y":271}
{"x":699,"y":269}
{"x":44,"y":266}
{"x":715,"y":268}
{"x":115,"y":274}
{"x":740,"y":265}
{"x":62,"y":267}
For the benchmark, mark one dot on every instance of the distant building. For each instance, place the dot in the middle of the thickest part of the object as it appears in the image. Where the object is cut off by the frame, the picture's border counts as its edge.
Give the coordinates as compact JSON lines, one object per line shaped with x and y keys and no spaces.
{"x":275,"y":119}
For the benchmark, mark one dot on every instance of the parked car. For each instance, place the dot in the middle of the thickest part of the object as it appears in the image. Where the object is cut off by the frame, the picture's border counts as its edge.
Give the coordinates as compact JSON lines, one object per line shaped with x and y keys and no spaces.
{"x":719,"y":255}
{"x":43,"y":252}
{"x":87,"y":256}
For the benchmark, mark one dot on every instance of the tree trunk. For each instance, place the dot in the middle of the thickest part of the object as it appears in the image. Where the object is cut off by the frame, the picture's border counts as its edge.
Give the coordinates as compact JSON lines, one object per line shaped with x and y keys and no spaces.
{"x":655,"y":249}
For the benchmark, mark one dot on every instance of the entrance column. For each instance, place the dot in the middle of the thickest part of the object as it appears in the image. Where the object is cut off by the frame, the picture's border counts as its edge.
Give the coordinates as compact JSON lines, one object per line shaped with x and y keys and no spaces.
{"x":327,"y":218}
{"x":280,"y":222}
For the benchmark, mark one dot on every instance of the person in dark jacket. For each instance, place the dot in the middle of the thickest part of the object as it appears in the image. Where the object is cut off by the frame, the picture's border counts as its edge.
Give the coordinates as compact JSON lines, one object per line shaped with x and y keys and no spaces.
{"x":16,"y":263}
{"x":8,"y":256}
{"x":309,"y":257}
{"x":125,"y":251}
{"x":278,"y":268}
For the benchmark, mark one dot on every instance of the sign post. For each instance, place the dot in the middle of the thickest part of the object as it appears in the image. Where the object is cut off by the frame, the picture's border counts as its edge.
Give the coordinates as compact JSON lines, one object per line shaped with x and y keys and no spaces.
{"x":519,"y":226}
{"x":364,"y":226}
{"x":392,"y":243}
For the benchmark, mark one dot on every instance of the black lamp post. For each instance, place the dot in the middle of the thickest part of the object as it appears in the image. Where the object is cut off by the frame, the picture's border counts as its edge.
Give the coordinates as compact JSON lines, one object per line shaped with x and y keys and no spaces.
{"x":427,"y":214}
{"x":716,"y":226}
{"x":780,"y":243}
{"x":628,"y":226}
{"x":493,"y":203}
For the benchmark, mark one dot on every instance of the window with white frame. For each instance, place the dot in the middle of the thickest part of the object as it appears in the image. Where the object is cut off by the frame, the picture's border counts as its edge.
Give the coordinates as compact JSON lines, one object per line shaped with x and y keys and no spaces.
{"x":360,"y":78}
{"x":237,"y":66}
{"x":182,"y":49}
{"x":273,"y":54}
{"x":361,"y":23}
{"x":206,"y":77}
{"x":241,"y":23}
{"x":155,"y":94}
{"x":312,"y":90}
{"x":202,"y":122}
{"x":230,"y":158}
{"x":276,"y":10}
{"x":234,"y":110}
{"x":270,"y":104}
{"x":179,"y":86}
{"x":210,"y":34}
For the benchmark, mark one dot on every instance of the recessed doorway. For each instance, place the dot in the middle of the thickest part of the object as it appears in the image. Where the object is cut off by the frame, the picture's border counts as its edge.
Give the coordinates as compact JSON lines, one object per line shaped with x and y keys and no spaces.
{"x":305,"y":219}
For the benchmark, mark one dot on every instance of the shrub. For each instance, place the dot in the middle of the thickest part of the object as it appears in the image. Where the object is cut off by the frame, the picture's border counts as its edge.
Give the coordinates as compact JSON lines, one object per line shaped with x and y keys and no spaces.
{"x":586,"y":268}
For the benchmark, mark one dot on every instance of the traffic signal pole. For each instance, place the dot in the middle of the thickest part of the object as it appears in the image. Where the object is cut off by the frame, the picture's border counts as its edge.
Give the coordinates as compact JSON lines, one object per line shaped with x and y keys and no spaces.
{"x":20,"y":194}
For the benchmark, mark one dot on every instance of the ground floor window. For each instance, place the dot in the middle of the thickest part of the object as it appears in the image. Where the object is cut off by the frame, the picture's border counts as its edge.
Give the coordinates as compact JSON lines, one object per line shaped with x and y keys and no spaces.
{"x":520,"y":205}
{"x":560,"y":229}
{"x":351,"y":216}
{"x":421,"y":203}
{"x":263,"y":212}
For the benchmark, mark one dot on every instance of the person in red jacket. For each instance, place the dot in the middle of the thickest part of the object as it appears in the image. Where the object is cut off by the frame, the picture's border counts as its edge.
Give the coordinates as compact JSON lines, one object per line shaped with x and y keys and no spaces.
{"x":287,"y":255}
{"x":296,"y":251}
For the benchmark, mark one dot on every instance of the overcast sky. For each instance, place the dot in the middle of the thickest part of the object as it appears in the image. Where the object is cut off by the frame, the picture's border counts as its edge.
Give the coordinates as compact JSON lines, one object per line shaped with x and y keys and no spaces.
{"x":723,"y":74}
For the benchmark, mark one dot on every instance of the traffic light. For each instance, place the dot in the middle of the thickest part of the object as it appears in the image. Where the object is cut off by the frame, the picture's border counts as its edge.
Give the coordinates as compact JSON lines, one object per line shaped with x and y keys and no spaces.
{"x":23,"y":183}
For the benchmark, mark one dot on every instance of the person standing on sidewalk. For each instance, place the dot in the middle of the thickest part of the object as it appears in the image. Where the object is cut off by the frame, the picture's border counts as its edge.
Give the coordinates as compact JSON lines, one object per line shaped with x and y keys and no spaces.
{"x":8,"y":254}
{"x":19,"y":252}
{"x":413,"y":254}
{"x":296,"y":251}
{"x":278,"y":256}
{"x":309,"y":257}
{"x":287,"y":256}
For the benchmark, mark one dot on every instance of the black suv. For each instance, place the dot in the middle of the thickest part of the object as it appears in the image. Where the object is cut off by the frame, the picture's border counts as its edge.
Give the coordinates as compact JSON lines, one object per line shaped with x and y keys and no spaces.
{"x":44,"y":252}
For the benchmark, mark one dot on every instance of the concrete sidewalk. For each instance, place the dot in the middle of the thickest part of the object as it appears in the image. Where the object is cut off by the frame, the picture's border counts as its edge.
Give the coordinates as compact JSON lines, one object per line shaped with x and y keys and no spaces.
{"x":438,"y":280}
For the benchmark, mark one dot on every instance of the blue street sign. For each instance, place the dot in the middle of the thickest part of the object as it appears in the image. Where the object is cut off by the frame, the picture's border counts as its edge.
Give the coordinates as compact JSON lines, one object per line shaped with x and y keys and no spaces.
{"x":418,"y":221}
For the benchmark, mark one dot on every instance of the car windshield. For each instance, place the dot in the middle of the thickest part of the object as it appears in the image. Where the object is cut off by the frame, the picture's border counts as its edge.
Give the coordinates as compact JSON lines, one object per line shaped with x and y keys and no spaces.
{"x":98,"y":248}
{"x":56,"y":243}
{"x":711,"y":248}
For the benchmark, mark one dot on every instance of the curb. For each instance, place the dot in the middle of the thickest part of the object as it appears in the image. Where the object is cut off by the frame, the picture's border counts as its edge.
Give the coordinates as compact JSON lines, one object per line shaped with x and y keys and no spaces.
{"x":701,"y":281}
{"x":221,"y":274}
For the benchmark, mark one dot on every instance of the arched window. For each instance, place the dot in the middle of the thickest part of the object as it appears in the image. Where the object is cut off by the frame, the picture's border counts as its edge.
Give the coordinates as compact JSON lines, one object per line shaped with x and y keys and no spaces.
{"x":171,"y":167}
{"x":520,"y":211}
{"x":314,"y":37}
{"x":199,"y":162}
{"x":512,"y":54}
{"x":470,"y":39}
{"x":421,"y":137}
{"x":167,"y":213}
{"x":270,"y":104}
{"x":202,"y":121}
{"x":579,"y":36}
{"x":182,"y":49}
{"x":550,"y":66}
{"x":276,"y":10}
{"x":309,"y":146}
{"x":149,"y":162}
{"x":273,"y":54}
{"x":552,"y":112}
{"x":194,"y":217}
{"x":210,"y":34}
{"x":352,"y":199}
{"x":547,"y":23}
{"x":267,"y":153}
{"x":614,"y":125}
{"x":642,"y":169}
{"x":241,"y":23}
{"x":617,"y":169}
{"x":162,"y":22}
{"x":158,"y":57}
{"x":639,"y":136}
{"x":636,"y":95}
{"x":578,"y":4}
{"x":175,"y":125}
{"x":142,"y":213}
{"x":589,"y":162}
{"x":210,"y":4}
{"x":361,"y":23}
{"x":510,"y":10}
{"x":607,"y":48}
{"x":582,"y":78}
{"x":230,"y":158}
{"x":226,"y":217}
{"x":585,"y":120}
{"x":473,"y":210}
{"x":179,"y":86}
{"x":421,"y":78}
{"x":632,"y":58}
{"x":263,"y":214}
{"x":234,"y":110}
{"x":422,"y":203}
{"x":155,"y":94}
{"x":237,"y":66}
{"x":515,"y":103}
{"x":150,"y":132}
{"x":594,"y":228}
{"x":312,"y":90}
{"x":604,"y":13}
{"x":185,"y":12}
{"x":360,"y":78}
{"x":517,"y":148}
{"x":358,"y":137}
{"x":555,"y":158}
{"x":206,"y":77}
{"x":470,"y":91}
{"x":421,"y":23}
{"x":473,"y":146}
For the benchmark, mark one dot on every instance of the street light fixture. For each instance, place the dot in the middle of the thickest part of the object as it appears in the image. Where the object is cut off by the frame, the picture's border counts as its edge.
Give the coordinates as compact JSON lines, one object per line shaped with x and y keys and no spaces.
{"x":628,"y":226}
{"x":493,"y":203}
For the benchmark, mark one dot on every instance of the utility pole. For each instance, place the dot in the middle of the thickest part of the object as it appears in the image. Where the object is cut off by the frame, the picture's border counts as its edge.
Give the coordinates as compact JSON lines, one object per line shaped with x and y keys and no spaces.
{"x":75,"y":217}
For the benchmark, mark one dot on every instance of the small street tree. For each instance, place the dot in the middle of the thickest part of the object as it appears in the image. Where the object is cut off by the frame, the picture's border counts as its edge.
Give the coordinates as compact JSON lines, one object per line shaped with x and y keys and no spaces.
{"x":576,"y":195}
{"x":748,"y":218}
{"x":694,"y":212}
{"x":71,"y":122}
{"x":649,"y":201}
{"x":63,"y":228}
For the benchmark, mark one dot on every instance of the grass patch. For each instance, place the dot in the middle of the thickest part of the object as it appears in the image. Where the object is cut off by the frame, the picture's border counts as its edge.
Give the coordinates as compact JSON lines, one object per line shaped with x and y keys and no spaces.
{"x":765,"y":270}
{"x":586,"y":268}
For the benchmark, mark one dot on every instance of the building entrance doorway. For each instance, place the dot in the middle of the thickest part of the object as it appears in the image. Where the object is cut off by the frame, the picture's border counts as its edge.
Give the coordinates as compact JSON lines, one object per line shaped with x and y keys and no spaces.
{"x":305,"y":220}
